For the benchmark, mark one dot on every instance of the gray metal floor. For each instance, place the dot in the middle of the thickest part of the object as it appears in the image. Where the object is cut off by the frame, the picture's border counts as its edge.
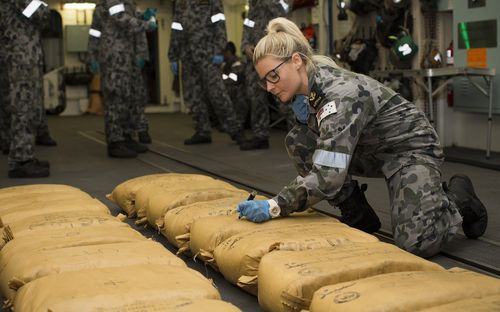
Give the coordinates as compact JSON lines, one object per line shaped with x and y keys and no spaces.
{"x":80,"y":160}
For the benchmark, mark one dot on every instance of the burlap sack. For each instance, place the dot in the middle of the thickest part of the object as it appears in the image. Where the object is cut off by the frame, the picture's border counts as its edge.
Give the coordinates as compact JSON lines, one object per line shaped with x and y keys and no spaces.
{"x":124,"y":194}
{"x":288,"y":279}
{"x":33,"y":209}
{"x":59,"y":220}
{"x":177,"y":221}
{"x":23,"y":191}
{"x":147,"y":196}
{"x":160,"y":203}
{"x":26,"y":266}
{"x":404,"y":291}
{"x":238,"y":257}
{"x":186,"y":305}
{"x":169,"y":305}
{"x":207,"y":233}
{"x":485,"y":304}
{"x":112,"y":288}
{"x":65,"y":238}
{"x":38,"y":198}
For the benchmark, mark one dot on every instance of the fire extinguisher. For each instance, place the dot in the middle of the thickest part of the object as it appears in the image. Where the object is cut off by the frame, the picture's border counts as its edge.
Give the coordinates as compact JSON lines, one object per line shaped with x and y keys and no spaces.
{"x":449,"y":55}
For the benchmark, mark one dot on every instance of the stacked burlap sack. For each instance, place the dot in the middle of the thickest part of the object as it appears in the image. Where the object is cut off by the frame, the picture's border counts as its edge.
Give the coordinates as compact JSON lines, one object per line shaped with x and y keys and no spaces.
{"x":287,"y":262}
{"x":63,"y":251}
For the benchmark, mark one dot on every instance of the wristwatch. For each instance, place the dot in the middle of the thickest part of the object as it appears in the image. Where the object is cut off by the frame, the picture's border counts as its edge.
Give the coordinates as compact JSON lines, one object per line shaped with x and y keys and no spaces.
{"x":274,"y":209}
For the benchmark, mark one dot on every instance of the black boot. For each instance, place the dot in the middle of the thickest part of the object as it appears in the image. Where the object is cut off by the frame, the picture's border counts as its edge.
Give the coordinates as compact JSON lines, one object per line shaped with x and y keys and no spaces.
{"x":45,"y":140}
{"x":474,"y":214}
{"x":135,"y":146}
{"x":144,"y":137}
{"x":29,"y":169}
{"x":198,"y":139}
{"x":255,"y":143}
{"x":120,"y":150}
{"x":357,"y":212}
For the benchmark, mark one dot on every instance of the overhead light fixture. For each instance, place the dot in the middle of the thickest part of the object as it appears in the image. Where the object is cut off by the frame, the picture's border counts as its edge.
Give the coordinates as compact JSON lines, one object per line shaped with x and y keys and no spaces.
{"x":79,"y":6}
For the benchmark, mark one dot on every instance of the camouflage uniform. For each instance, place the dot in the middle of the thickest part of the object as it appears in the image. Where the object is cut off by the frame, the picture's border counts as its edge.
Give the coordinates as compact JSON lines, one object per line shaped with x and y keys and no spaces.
{"x":139,"y":91}
{"x":198,"y":34}
{"x":117,"y":29}
{"x":259,"y":15}
{"x":233,"y":75}
{"x":21,"y":21}
{"x":357,"y":126}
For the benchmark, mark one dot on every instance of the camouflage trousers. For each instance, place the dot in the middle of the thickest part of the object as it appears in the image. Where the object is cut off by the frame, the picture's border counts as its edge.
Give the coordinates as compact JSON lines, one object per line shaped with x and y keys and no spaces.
{"x":259,"y":104}
{"x":423,"y":217}
{"x":140,"y":94}
{"x":119,"y":105}
{"x":203,"y":86}
{"x":24,"y":110}
{"x":239,"y":99}
{"x":42,"y":127}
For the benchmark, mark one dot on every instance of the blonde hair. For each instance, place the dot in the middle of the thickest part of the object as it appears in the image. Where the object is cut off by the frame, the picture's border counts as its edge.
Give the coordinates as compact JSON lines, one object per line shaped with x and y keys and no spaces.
{"x":283,"y":39}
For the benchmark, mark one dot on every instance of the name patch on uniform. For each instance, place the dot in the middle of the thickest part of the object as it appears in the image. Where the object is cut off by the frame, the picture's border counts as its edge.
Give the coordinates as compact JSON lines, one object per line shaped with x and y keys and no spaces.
{"x":316,"y":96}
{"x":32,"y":7}
{"x":327,"y":109}
{"x":249,"y":23}
{"x":115,"y":9}
{"x":284,"y":5}
{"x":94,"y":33}
{"x":177,"y":26}
{"x":331,"y":159}
{"x":218,"y":17}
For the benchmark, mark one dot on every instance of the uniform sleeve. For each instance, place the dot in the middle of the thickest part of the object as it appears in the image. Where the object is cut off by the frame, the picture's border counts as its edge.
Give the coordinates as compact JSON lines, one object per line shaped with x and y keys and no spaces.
{"x":248,"y":30}
{"x":125,"y":20}
{"x":95,"y":32}
{"x":218,"y":21}
{"x":35,"y":10}
{"x":141,"y":46}
{"x":341,"y":122}
{"x":176,"y":35}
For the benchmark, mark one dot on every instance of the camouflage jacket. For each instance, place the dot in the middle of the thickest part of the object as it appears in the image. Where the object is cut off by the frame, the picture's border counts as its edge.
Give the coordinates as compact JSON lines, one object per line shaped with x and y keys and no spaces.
{"x":359,"y":122}
{"x":259,"y":14}
{"x":198,"y":30}
{"x":20,"y":25}
{"x":95,"y":33}
{"x":120,"y":28}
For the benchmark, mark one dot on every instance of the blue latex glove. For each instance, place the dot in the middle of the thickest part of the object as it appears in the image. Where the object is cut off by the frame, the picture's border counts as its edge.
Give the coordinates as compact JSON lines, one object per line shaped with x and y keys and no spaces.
{"x":174,"y":67}
{"x":152,"y":26}
{"x":94,"y":67}
{"x":254,"y":210}
{"x":218,"y":59}
{"x":140,"y":62}
{"x":149,"y":13}
{"x":300,"y":107}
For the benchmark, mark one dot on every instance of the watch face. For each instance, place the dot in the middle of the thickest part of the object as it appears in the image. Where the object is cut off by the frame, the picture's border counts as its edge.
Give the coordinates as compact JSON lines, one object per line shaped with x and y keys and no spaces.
{"x":274,"y":211}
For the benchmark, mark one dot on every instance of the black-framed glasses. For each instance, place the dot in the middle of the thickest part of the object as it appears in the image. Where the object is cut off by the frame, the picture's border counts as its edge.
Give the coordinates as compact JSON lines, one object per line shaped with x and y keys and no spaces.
{"x":272,"y":76}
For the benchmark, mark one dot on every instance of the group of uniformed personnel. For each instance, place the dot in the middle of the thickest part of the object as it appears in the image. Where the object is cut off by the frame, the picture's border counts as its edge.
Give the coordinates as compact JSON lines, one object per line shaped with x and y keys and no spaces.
{"x":198,"y":39}
{"x":22,"y":116}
